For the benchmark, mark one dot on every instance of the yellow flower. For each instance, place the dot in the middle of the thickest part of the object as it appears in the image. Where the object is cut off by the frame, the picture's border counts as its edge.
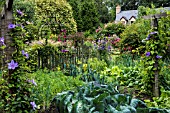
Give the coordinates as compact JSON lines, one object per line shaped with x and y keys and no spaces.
{"x":58,"y":68}
{"x":84,"y":67}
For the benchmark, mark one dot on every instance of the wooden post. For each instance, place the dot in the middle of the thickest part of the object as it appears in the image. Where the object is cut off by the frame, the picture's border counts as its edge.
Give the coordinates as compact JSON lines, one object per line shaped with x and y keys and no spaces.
{"x":6,"y":19}
{"x":154,"y":25}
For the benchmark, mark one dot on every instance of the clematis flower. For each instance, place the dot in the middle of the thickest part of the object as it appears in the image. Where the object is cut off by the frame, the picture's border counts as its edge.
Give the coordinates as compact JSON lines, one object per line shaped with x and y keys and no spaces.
{"x":20,"y":25}
{"x":152,"y":33}
{"x":25,"y":54}
{"x":148,"y":54}
{"x":11,"y":26}
{"x":20,"y":12}
{"x":33,"y":82}
{"x":158,"y":57}
{"x":33,"y":105}
{"x":148,"y":37}
{"x":12,"y":65}
{"x":64,"y":50}
{"x":2,"y":40}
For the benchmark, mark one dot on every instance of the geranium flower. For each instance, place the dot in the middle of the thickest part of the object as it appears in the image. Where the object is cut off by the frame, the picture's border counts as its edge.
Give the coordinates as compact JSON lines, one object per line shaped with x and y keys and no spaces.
{"x":33,"y":105}
{"x":12,"y":65}
{"x":11,"y":26}
{"x":158,"y":57}
{"x":148,"y":54}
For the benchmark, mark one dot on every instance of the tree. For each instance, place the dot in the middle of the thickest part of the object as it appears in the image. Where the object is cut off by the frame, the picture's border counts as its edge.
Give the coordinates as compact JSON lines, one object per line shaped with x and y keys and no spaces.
{"x":134,"y":4}
{"x":56,"y":13}
{"x":76,"y":7}
{"x":89,"y":14}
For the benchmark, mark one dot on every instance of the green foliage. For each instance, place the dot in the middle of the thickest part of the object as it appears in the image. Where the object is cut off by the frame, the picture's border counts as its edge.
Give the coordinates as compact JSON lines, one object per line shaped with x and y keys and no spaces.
{"x":89,"y":15}
{"x":132,"y":77}
{"x":56,"y":15}
{"x":95,"y":12}
{"x":160,"y":102}
{"x":95,"y":97}
{"x":104,"y":10}
{"x":27,"y":7}
{"x":134,"y":4}
{"x":114,"y":28}
{"x":96,"y":64}
{"x":50,"y":83}
{"x":15,"y":87}
{"x":76,"y":7}
{"x":134,"y":34}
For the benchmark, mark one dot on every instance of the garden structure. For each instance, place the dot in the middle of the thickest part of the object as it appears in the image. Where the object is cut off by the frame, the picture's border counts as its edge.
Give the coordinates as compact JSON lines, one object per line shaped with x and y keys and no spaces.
{"x":47,"y":66}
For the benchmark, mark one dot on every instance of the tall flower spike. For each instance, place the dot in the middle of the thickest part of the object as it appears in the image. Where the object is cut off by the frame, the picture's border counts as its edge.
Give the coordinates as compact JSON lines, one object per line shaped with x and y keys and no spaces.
{"x":12,"y":65}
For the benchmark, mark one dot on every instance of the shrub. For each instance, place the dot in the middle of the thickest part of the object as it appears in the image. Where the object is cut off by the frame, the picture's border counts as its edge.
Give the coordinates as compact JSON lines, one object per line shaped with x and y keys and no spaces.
{"x":133,"y":35}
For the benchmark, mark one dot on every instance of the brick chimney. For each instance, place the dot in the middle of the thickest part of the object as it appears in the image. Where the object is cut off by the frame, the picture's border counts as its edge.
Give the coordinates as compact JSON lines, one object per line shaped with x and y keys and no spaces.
{"x":118,"y":9}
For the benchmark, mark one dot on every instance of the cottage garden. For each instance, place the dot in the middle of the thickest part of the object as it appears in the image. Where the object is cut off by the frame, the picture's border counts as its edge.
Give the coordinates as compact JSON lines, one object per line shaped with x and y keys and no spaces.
{"x":112,"y":68}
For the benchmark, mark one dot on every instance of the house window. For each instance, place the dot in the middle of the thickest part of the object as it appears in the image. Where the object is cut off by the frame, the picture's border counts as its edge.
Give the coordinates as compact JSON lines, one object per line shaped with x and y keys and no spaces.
{"x":131,"y":22}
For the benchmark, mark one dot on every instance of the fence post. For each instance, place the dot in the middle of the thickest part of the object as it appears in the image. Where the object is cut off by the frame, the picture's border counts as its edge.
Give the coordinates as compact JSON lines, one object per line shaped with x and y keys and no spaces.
{"x":154,"y":24}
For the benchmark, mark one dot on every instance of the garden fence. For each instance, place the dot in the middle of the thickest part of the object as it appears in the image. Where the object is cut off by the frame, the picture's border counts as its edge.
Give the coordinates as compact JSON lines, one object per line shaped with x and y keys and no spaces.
{"x":64,"y":59}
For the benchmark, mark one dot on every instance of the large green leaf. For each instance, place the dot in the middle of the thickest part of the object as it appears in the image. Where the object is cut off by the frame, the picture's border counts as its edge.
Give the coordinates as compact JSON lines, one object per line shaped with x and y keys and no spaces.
{"x":111,"y":109}
{"x":137,"y":103}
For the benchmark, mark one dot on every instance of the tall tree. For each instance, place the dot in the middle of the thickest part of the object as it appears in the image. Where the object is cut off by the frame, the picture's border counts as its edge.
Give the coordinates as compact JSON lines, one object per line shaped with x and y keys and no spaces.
{"x":76,"y":7}
{"x":134,"y":4}
{"x":89,"y":14}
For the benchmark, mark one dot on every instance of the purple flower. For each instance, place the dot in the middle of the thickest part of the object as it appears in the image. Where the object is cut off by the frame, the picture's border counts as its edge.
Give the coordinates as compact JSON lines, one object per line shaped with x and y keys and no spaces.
{"x":64,"y":51}
{"x":153,"y":33}
{"x":12,"y":65}
{"x":20,"y":25}
{"x":2,"y":40}
{"x":158,"y":57}
{"x":33,"y":82}
{"x":148,"y":37}
{"x":25,"y":54}
{"x":20,"y":12}
{"x":64,"y":30}
{"x":11,"y":26}
{"x":33,"y":105}
{"x":109,"y":48}
{"x":148,"y":54}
